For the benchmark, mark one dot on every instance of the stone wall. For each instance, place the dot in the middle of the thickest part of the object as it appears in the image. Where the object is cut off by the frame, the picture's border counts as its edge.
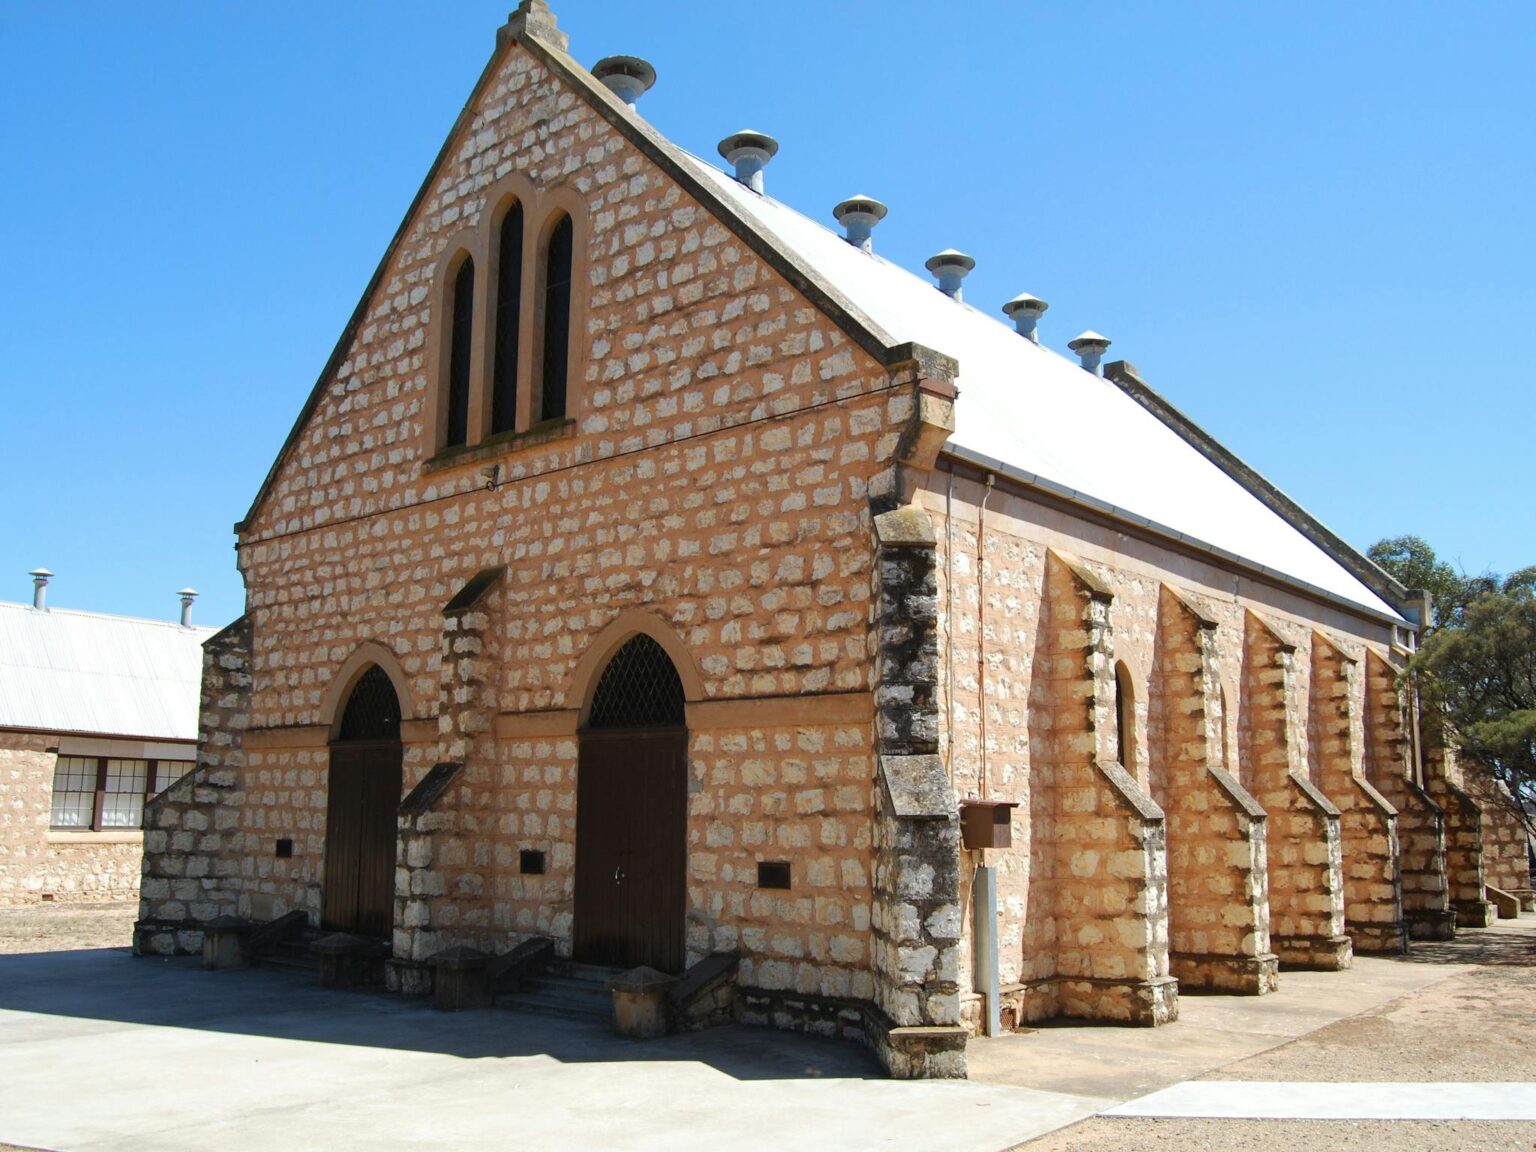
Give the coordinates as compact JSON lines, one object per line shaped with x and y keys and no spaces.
{"x":1000,"y":727}
{"x":37,"y":863}
{"x":193,"y":867}
{"x":1218,"y":901}
{"x":1505,"y":840}
{"x":26,"y":788}
{"x":1373,"y":900}
{"x":1303,"y":843}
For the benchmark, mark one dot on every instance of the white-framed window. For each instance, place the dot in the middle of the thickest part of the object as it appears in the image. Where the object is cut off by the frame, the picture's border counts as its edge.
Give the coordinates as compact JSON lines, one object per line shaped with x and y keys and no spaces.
{"x":74,"y":792}
{"x":167,"y":772}
{"x":94,"y":793}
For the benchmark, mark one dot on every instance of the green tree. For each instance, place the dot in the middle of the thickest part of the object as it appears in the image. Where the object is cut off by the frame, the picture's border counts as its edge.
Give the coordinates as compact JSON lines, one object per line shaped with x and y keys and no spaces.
{"x":1477,"y":666}
{"x":1482,"y":675}
{"x":1413,"y":563}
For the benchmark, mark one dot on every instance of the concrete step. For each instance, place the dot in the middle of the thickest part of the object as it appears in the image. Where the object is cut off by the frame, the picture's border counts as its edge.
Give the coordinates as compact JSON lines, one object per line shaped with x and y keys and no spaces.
{"x":586,"y":973}
{"x":294,"y":954}
{"x":551,"y":1004}
{"x":289,"y":962}
{"x":570,"y":985}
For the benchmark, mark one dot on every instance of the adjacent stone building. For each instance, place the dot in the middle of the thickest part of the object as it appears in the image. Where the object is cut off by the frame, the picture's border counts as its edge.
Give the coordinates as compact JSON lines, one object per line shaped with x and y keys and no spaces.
{"x":659,"y":572}
{"x":98,"y":713}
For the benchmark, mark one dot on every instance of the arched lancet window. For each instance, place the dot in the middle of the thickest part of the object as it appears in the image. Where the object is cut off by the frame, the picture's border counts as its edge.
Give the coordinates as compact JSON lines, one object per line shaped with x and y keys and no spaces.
{"x":640,"y":688}
{"x":373,"y":709}
{"x":459,"y":353}
{"x":557,"y":318}
{"x":1125,"y":717}
{"x":509,"y":307}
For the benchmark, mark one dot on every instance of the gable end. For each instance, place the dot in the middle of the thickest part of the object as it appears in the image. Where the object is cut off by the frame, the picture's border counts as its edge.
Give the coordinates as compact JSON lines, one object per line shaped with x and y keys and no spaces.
{"x":547,"y":45}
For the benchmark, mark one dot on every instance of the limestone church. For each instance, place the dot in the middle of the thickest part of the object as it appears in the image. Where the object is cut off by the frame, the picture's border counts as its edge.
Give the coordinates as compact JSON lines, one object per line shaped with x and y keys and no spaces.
{"x":658,"y":577}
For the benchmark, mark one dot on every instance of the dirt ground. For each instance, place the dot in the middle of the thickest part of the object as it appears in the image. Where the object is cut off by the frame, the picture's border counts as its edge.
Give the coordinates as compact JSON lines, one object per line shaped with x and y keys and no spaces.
{"x":64,"y":927}
{"x":1480,"y":1026}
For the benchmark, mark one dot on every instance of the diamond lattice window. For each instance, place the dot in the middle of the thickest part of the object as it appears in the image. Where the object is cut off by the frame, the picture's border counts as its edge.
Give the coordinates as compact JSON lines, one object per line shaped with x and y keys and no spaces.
{"x":639,"y":689}
{"x":373,"y":709}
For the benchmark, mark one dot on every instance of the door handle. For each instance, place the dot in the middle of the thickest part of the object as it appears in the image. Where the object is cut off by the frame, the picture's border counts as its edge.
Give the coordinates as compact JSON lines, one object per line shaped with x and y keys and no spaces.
{"x":618,"y":874}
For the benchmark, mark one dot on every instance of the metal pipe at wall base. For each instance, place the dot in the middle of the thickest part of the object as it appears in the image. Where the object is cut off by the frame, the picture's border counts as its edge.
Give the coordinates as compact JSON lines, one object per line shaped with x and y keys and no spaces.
{"x":984,"y":951}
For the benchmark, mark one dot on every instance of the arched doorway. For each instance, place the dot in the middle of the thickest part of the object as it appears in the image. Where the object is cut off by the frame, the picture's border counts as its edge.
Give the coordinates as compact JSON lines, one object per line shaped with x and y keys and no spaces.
{"x":362,"y":808}
{"x":632,"y":814}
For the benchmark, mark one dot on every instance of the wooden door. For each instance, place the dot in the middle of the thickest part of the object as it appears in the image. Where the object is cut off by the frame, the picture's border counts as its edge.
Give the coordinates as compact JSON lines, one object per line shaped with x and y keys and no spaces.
{"x":631,"y":848}
{"x":362,"y":809}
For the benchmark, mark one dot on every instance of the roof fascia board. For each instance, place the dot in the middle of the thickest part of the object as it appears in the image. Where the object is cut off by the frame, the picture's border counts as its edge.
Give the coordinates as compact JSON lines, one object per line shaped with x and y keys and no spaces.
{"x":1038,"y":488}
{"x":86,"y":734}
{"x":1358,"y":565}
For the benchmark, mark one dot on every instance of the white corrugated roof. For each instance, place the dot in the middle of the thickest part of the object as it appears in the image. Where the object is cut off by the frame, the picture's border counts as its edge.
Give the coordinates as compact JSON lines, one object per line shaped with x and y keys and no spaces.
{"x":66,"y":671}
{"x":1026,"y":406}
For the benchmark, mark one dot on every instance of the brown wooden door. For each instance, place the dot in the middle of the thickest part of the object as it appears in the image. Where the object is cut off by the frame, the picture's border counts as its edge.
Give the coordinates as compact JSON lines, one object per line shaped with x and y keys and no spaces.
{"x":362,"y":809}
{"x":631,"y":848}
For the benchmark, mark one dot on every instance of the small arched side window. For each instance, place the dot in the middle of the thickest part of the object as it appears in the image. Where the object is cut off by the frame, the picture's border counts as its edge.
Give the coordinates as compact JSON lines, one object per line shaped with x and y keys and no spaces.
{"x":509,"y":307}
{"x":1226,"y":751}
{"x":1125,"y":717}
{"x":557,"y":318}
{"x":459,"y":353}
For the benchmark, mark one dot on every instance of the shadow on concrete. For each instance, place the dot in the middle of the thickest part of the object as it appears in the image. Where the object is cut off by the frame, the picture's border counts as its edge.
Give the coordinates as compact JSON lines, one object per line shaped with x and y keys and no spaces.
{"x":1509,"y":943}
{"x":110,"y":984}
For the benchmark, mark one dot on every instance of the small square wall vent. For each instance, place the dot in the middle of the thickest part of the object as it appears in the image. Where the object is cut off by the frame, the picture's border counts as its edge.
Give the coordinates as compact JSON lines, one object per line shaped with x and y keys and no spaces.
{"x":773,"y":874}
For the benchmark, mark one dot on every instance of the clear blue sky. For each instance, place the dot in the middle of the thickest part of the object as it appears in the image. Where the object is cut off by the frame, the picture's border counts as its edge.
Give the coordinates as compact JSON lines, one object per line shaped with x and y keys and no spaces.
{"x":1309,"y":224}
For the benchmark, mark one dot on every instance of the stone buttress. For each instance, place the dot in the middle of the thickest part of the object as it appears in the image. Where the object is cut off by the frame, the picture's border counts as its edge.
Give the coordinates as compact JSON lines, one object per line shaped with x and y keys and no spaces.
{"x":1373,"y":893}
{"x":1218,"y":902}
{"x":447,"y":823}
{"x":1098,"y":855}
{"x":1306,"y":865}
{"x":1463,"y":829}
{"x":1420,"y":821}
{"x":916,"y":919}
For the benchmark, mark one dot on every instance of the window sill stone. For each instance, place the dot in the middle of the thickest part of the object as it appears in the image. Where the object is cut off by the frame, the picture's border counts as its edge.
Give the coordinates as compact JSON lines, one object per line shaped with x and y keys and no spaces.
{"x":86,"y":836}
{"x":499,"y":445}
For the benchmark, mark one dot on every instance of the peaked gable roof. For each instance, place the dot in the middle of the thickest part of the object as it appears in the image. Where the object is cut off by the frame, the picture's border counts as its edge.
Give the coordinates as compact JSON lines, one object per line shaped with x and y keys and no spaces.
{"x":1024,"y":409}
{"x":67,"y":671}
{"x":1048,"y":420}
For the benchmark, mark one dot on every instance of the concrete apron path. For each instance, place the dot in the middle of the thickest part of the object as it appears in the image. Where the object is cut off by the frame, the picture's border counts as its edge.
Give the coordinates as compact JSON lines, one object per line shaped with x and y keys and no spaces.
{"x":99,"y":1050}
{"x":1331,"y":1100}
{"x":1120,"y":1064}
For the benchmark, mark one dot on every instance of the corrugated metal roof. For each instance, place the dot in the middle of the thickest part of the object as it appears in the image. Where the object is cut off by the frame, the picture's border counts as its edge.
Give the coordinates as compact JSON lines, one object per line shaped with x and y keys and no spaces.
{"x":1034,"y":409}
{"x":67,"y":671}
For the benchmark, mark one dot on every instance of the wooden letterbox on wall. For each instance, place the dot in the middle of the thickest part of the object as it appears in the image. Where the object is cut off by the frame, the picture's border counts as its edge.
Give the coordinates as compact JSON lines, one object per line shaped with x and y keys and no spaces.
{"x":986,"y":823}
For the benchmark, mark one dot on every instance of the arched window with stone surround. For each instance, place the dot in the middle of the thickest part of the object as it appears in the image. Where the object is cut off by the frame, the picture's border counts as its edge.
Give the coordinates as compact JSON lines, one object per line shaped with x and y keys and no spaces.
{"x":460,"y":335}
{"x":509,"y":307}
{"x":558,"y":257}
